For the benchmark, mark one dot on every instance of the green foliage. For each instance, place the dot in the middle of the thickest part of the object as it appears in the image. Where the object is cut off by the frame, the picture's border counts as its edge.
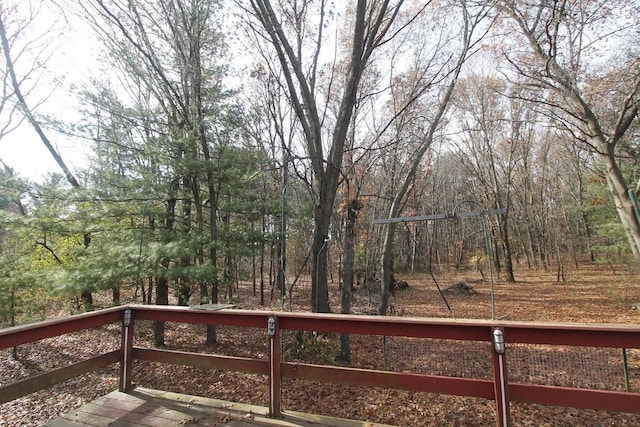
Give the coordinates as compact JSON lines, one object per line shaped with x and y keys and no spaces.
{"x":166,"y":155}
{"x":23,"y":293}
{"x":609,"y":237}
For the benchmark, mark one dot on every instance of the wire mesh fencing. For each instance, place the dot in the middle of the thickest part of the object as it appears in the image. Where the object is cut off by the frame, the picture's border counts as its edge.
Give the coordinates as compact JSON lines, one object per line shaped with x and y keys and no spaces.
{"x":453,"y":358}
{"x":565,"y":366}
{"x":597,"y":368}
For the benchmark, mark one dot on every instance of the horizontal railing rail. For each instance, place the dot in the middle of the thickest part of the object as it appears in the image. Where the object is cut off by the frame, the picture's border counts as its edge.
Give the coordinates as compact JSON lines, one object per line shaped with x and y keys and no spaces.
{"x":498,"y":336}
{"x":19,"y":335}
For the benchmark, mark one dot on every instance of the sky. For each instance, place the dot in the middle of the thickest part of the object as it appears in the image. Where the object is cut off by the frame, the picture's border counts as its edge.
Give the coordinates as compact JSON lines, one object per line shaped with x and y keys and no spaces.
{"x":69,"y":64}
{"x":24,"y":152}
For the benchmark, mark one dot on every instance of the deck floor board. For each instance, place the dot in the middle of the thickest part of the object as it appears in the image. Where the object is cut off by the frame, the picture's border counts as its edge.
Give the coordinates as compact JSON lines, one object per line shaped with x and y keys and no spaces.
{"x":143,"y":407}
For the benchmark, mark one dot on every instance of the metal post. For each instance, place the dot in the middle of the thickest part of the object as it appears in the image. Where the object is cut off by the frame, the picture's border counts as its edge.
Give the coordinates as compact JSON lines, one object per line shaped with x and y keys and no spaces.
{"x":434,"y":217}
{"x":126,"y":363}
{"x":500,"y":384}
{"x":275,"y":393}
{"x":283,"y":245}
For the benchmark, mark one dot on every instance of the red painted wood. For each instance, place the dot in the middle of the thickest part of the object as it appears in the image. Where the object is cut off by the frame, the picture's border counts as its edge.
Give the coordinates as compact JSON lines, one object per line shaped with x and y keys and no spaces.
{"x":227,"y":317}
{"x":197,"y":360}
{"x":126,"y":363}
{"x":576,"y":398}
{"x":15,"y":336}
{"x":613,"y":336}
{"x":402,"y":381}
{"x":42,"y":381}
{"x":389,"y":326}
{"x":275,"y":374}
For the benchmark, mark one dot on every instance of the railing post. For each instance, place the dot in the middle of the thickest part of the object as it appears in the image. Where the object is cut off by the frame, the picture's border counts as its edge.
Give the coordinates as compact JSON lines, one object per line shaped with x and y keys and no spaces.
{"x":126,"y":346}
{"x":500,"y":384}
{"x":275,"y":395}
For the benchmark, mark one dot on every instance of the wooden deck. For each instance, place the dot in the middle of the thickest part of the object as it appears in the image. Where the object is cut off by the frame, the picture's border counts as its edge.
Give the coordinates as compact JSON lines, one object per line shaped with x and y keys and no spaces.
{"x":147,"y":407}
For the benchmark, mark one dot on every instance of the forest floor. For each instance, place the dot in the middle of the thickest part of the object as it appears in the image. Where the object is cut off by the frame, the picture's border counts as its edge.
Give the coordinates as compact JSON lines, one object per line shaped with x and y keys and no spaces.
{"x":591,"y":294}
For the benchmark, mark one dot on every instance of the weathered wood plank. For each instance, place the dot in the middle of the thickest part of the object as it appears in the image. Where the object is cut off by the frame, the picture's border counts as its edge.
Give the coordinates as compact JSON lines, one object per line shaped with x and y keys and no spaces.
{"x":17,"y":335}
{"x":197,"y":360}
{"x":79,"y":416}
{"x":145,"y":408}
{"x":63,"y":422}
{"x":42,"y":381}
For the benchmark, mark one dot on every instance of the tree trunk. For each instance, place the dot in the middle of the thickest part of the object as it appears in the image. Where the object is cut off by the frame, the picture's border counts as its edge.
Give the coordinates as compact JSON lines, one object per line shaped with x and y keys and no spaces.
{"x":184,"y":293}
{"x":347,"y":273}
{"x":115,"y":294}
{"x":262,"y":248}
{"x":508,"y":256}
{"x":370,"y":25}
{"x":624,"y":206}
{"x":213,"y":252}
{"x":150,"y":292}
{"x":162,"y":285}
{"x":162,"y":298}
{"x":319,"y":282}
{"x":387,"y":269}
{"x":254,"y":273}
{"x":87,"y":300}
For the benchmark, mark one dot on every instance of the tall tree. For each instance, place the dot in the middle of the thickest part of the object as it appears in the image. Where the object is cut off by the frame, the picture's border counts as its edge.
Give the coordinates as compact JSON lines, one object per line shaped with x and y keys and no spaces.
{"x":297,"y":34}
{"x":487,"y":149}
{"x":418,"y":124}
{"x":42,"y":43}
{"x":170,"y":53}
{"x":588,"y":89}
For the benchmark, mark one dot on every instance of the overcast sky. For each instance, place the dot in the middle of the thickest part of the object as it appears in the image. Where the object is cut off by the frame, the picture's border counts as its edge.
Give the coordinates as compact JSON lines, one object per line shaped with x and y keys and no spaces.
{"x":69,"y":64}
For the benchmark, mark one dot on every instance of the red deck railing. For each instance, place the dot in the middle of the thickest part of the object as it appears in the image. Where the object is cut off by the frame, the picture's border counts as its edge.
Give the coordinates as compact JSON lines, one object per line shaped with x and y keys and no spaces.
{"x":498,"y":388}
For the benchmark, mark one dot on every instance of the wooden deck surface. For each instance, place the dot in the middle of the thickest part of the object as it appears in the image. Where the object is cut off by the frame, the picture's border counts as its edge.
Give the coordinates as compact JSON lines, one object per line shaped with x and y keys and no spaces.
{"x":147,"y":407}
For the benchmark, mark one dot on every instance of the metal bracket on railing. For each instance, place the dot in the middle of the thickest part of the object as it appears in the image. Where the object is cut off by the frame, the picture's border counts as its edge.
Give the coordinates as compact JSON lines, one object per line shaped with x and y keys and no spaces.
{"x":500,"y":378}
{"x":126,"y":320}
{"x":498,"y":341}
{"x":271,"y":327}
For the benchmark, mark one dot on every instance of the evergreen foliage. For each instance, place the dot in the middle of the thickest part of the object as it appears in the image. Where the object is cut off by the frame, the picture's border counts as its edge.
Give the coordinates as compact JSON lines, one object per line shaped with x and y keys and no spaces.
{"x":193,"y":173}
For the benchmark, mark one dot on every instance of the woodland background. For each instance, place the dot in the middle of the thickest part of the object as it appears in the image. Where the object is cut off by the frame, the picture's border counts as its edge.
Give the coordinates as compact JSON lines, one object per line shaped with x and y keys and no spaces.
{"x":256,"y":142}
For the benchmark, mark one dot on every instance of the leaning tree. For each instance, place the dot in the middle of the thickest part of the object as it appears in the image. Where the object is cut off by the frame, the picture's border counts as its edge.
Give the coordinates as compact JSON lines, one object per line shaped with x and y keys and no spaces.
{"x":579,"y":61}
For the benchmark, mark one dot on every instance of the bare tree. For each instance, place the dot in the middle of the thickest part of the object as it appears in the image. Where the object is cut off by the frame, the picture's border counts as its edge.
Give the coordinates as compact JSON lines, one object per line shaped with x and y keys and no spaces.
{"x":487,"y":150}
{"x":40,"y":48}
{"x":579,"y":82}
{"x":296,"y":34}
{"x":436,"y":73}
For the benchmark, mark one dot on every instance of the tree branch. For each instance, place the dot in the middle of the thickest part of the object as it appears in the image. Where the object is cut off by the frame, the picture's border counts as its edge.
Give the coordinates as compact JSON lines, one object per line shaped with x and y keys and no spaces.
{"x":27,"y":112}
